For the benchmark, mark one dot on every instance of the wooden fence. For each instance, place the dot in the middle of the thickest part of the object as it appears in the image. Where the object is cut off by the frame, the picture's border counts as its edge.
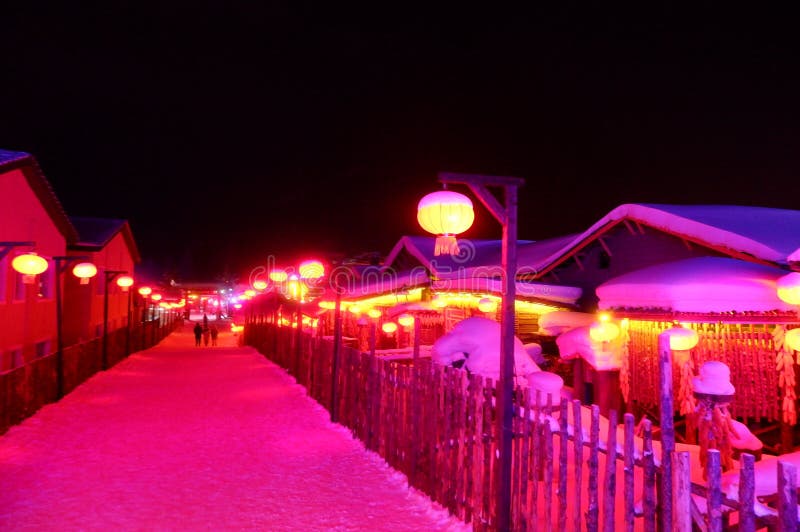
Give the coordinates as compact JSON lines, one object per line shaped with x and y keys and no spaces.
{"x":436,"y":425}
{"x":25,"y":389}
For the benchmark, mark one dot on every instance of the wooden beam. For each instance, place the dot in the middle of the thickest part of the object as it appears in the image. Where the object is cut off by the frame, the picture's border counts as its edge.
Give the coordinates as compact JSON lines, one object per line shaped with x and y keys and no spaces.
{"x":631,"y":230}
{"x":477,"y":179}
{"x":490,"y":202}
{"x":605,"y":246}
{"x":578,"y":261}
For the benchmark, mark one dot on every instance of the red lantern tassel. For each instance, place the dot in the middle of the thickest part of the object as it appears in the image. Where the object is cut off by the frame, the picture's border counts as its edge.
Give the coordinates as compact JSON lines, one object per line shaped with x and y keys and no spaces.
{"x":446,"y":245}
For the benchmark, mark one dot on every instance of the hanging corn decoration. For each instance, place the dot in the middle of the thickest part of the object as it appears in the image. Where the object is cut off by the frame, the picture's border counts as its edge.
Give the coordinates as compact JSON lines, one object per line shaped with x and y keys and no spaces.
{"x":784,"y":364}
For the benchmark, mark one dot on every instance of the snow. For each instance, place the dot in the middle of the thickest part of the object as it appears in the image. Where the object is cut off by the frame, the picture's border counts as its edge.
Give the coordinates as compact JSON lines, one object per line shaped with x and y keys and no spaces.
{"x":703,"y":284}
{"x":765,"y":233}
{"x":714,"y":379}
{"x":560,"y":321}
{"x":185,"y":438}
{"x":601,"y":355}
{"x":477,"y":340}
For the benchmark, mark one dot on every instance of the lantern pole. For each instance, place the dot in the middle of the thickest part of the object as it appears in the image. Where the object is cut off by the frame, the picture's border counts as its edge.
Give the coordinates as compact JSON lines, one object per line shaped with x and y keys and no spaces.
{"x":6,"y":247}
{"x":507,"y":216}
{"x":62,"y":263}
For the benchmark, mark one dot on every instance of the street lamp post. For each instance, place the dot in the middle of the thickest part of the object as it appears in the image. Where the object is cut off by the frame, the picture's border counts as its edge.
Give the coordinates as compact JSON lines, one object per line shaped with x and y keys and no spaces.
{"x":62,"y":263}
{"x":507,"y":216}
{"x":108,"y":276}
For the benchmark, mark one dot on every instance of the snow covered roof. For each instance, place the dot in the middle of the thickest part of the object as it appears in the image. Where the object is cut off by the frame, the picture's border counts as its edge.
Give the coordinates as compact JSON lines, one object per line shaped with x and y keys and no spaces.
{"x":13,"y":160}
{"x":540,"y":291}
{"x":95,"y":233}
{"x":765,"y":234}
{"x":701,"y":284}
{"x":478,"y":258}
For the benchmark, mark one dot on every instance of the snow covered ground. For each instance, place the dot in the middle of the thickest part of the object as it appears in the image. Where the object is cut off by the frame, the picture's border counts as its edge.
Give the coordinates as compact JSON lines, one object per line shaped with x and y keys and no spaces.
{"x":191,"y":438}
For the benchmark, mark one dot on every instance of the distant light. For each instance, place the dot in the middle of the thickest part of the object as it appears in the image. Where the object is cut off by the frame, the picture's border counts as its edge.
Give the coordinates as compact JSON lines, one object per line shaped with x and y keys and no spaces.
{"x":389,"y":327}
{"x":311,"y":269}
{"x":250,"y":293}
{"x":84,"y":271}
{"x":438,"y":301}
{"x":146,"y":291}
{"x":156,"y":297}
{"x":487,"y":305}
{"x":406,"y":320}
{"x":374,"y":313}
{"x":603,"y":331}
{"x":260,"y":284}
{"x":278,"y":276}
{"x":355,"y":309}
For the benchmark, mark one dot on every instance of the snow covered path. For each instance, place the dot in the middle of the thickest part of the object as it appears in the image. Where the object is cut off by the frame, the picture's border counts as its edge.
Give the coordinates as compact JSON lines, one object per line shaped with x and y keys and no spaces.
{"x":191,"y":438}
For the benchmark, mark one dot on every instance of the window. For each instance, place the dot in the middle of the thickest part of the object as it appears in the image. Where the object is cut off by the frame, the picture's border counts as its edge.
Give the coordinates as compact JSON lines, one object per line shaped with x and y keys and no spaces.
{"x":20,"y":288}
{"x":42,"y":348}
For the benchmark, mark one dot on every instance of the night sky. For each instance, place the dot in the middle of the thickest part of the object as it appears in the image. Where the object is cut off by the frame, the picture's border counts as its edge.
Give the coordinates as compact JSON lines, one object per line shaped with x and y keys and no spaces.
{"x":228,"y":131}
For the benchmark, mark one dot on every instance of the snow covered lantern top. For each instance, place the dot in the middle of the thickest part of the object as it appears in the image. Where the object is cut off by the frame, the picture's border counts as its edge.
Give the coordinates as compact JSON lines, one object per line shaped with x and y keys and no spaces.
{"x":445,"y":213}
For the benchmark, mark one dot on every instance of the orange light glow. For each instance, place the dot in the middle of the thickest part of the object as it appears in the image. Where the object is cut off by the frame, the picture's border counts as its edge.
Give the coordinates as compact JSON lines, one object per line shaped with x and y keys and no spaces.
{"x":389,"y":327}
{"x":406,"y":320}
{"x":250,"y":293}
{"x":374,"y":313}
{"x":260,"y":285}
{"x":145,"y":291}
{"x":156,"y":297}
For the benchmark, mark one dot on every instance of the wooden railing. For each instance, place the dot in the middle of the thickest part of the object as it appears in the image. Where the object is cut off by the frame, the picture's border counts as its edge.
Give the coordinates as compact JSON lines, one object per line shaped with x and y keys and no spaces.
{"x":435,"y":425}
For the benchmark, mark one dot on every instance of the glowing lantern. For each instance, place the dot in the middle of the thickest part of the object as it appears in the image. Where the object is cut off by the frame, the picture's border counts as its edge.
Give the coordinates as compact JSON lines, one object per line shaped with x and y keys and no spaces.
{"x":311,"y":269}
{"x":603,"y":331}
{"x":355,"y":309}
{"x":327,"y":305}
{"x":146,"y":291}
{"x":237,"y":305}
{"x":278,"y":276}
{"x":84,"y":271}
{"x":681,"y":338}
{"x":29,"y":265}
{"x":156,"y":297}
{"x":445,"y":213}
{"x":250,"y":293}
{"x":487,"y":305}
{"x":125,"y":282}
{"x":260,"y":284}
{"x":389,"y":327}
{"x":296,"y":289}
{"x":406,"y":320}
{"x":789,"y":288}
{"x":374,"y":313}
{"x":438,"y":301}
{"x":792,"y":339}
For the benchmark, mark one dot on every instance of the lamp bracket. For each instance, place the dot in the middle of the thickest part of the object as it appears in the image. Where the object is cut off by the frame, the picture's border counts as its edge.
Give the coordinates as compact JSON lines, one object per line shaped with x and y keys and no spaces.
{"x":6,"y":247}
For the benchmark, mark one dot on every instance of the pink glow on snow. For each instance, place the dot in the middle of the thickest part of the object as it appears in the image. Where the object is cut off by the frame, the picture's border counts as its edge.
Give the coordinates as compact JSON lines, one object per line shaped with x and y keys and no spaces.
{"x":186,"y":438}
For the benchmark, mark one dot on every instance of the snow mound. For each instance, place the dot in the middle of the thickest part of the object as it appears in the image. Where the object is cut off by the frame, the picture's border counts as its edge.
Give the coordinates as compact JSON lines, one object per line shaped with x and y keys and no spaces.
{"x":476,"y":342}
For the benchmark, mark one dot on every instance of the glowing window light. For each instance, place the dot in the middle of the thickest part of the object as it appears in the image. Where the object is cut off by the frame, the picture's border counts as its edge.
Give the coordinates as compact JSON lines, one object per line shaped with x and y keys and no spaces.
{"x":311,"y":269}
{"x":406,"y":320}
{"x":125,"y":282}
{"x":487,"y":305}
{"x":789,"y":288}
{"x":389,"y":327}
{"x":29,"y":265}
{"x":445,"y":213}
{"x":84,"y":271}
{"x":260,"y":284}
{"x":146,"y":291}
{"x":603,"y":331}
{"x":374,"y":313}
{"x":278,"y":276}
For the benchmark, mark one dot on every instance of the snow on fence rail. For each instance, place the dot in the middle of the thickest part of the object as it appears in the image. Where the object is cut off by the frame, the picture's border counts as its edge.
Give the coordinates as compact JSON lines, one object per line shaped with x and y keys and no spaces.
{"x":435,"y":425}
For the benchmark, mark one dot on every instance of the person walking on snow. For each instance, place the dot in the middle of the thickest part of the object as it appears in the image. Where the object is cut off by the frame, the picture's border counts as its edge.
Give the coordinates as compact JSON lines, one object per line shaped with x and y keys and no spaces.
{"x":198,"y":333}
{"x":214,"y":334}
